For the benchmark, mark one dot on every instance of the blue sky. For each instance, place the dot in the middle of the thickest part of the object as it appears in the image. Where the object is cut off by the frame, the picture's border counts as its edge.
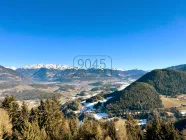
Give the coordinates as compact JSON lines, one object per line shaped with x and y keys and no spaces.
{"x":143,"y":34}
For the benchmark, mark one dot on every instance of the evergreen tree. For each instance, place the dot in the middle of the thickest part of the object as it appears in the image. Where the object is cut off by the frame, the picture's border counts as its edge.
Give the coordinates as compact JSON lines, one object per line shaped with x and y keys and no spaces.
{"x":24,"y":111}
{"x":73,"y":125}
{"x":33,"y":116}
{"x":183,"y":134}
{"x":89,"y":131}
{"x":23,"y":117}
{"x":168,"y":132}
{"x":161,"y":131}
{"x":31,"y":131}
{"x":153,"y":130}
{"x":112,"y":130}
{"x":41,"y":114}
{"x":7,"y":101}
{"x":14,"y":113}
{"x":133,"y":130}
{"x":51,"y":119}
{"x":55,"y":100}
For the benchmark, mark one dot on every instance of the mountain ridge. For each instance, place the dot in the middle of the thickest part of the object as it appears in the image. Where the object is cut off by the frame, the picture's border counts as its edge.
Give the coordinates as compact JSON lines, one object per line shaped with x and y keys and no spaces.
{"x":48,"y":66}
{"x":59,"y":67}
{"x":136,"y":96}
{"x":11,"y":78}
{"x":181,"y":67}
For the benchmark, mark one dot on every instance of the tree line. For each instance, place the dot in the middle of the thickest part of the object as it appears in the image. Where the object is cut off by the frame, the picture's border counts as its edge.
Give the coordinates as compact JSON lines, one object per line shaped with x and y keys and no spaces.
{"x":47,"y":122}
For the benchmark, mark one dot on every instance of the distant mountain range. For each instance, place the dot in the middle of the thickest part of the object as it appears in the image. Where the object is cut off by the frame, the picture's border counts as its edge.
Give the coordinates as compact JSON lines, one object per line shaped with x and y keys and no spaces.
{"x":54,"y":66}
{"x":10,"y":78}
{"x":48,"y":66}
{"x":64,"y":73}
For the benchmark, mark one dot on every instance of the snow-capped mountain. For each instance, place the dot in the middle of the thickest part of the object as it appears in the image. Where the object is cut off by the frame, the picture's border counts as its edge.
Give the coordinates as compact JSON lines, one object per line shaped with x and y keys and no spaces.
{"x":47,"y":66}
{"x":11,"y":67}
{"x":61,"y":73}
{"x":119,"y":69}
{"x":124,"y":70}
{"x":59,"y":67}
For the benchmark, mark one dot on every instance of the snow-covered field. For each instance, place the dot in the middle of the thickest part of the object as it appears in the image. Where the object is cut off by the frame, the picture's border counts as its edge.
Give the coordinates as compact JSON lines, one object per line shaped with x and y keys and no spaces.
{"x":99,"y":116}
{"x":123,"y":87}
{"x":142,"y":122}
{"x":89,"y":108}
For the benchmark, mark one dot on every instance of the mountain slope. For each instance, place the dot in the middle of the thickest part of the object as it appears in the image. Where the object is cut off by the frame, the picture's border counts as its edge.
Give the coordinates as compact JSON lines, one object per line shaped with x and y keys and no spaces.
{"x":167,"y":81}
{"x":144,"y":93}
{"x":179,"y":67}
{"x":44,"y":74}
{"x":11,"y":75}
{"x":137,"y":96}
{"x":11,"y":78}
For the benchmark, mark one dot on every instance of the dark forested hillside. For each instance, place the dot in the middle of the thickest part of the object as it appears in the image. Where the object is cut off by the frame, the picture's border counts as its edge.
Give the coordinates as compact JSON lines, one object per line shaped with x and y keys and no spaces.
{"x":141,"y":96}
{"x":167,"y":81}
{"x":144,"y":93}
{"x":179,"y":67}
{"x":138,"y":96}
